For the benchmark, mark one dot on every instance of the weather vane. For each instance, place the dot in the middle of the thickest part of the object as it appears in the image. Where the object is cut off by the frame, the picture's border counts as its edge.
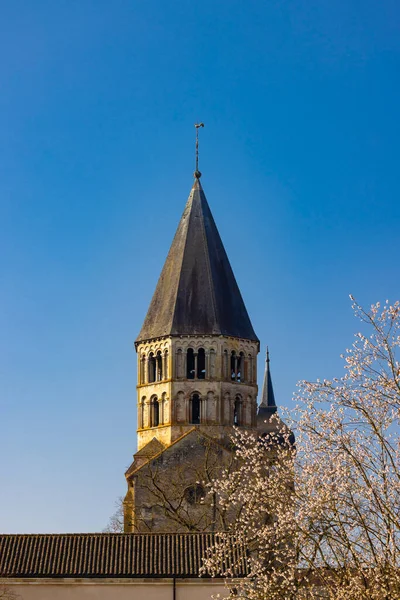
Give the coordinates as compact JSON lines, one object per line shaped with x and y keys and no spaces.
{"x":197,"y":173}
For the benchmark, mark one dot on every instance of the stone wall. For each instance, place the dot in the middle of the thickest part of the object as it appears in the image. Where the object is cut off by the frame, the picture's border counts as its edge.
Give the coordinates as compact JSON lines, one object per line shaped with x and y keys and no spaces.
{"x":169,"y":492}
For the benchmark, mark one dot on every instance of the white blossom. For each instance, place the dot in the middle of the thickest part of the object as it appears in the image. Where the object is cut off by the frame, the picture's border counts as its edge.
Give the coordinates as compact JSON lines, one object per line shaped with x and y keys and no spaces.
{"x":323,"y":515}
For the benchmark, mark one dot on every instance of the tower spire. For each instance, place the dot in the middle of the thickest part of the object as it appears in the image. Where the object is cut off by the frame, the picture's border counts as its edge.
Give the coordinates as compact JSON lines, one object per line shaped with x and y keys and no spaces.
{"x":267,"y":399}
{"x":197,"y":173}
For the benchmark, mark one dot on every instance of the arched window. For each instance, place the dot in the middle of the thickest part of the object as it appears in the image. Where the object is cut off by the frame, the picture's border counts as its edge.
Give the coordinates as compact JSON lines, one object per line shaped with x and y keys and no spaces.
{"x":201,"y":364}
{"x":195,"y":409}
{"x":159,"y":366}
{"x":155,"y":413}
{"x":233,"y":365}
{"x":190,"y":370}
{"x":237,"y":409}
{"x":152,"y":368}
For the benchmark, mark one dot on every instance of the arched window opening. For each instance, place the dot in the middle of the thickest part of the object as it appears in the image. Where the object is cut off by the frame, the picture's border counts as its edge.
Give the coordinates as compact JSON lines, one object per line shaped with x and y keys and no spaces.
{"x":190,"y":370}
{"x":152,"y":368}
{"x":155,"y":413}
{"x":195,"y":405}
{"x":237,"y":420}
{"x":201,"y":364}
{"x":233,"y":365}
{"x":159,"y":366}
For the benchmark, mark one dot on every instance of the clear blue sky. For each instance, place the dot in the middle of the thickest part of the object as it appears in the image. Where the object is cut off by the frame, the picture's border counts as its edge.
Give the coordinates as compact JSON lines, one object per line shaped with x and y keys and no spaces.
{"x":300,"y":161}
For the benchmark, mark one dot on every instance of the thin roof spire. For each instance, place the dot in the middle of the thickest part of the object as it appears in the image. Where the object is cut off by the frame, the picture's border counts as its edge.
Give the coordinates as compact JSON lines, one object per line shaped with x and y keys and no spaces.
{"x":268,"y":397}
{"x":197,"y":173}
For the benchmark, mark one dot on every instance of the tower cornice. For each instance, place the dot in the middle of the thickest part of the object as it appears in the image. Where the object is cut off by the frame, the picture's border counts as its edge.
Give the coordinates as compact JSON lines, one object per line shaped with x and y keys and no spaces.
{"x":138,"y":343}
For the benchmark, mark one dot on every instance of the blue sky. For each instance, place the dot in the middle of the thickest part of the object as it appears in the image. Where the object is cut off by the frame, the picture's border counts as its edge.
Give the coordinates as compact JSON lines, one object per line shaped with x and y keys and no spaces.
{"x":300,"y":161}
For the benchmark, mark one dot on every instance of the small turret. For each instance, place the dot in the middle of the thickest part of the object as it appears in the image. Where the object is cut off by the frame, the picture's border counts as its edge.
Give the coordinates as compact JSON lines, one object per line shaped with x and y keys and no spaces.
{"x":266,"y":422}
{"x":267,"y":405}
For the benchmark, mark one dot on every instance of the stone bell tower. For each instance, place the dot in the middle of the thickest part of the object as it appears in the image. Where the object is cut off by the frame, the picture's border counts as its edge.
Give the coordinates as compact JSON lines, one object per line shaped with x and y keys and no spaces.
{"x":197,"y":377}
{"x":197,"y":350}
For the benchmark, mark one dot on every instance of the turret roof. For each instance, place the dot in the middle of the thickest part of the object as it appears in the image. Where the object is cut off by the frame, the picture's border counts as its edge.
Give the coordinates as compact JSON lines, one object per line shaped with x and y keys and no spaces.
{"x":267,"y":405}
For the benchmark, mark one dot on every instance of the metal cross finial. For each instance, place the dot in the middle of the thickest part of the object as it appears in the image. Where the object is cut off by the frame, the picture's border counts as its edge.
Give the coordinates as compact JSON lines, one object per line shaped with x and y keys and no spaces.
{"x":267,"y":355}
{"x":197,"y":173}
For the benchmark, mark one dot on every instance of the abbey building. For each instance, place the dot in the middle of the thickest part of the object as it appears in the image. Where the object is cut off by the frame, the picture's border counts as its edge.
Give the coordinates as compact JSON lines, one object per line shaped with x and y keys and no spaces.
{"x":197,"y":379}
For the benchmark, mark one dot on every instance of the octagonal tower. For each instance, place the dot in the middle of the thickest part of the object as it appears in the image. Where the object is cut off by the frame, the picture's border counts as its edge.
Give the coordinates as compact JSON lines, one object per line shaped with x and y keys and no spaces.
{"x":197,"y":349}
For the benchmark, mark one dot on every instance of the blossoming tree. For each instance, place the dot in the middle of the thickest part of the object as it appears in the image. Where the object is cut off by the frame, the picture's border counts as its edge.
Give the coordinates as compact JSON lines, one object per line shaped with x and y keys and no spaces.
{"x":321,"y":517}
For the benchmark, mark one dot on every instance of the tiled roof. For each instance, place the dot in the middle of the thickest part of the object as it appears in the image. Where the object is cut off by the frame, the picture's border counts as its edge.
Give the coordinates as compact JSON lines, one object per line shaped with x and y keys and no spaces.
{"x":197,"y":293}
{"x":108,"y":555}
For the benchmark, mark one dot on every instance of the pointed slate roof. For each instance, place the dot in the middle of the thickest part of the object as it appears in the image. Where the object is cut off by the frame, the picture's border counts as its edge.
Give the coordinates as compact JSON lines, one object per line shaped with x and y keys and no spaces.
{"x":268,"y":405}
{"x":197,"y":293}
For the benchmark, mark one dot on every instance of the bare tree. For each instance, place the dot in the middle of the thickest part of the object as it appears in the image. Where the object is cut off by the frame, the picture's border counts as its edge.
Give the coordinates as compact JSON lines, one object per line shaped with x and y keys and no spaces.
{"x":170,"y":491}
{"x":336,"y":532}
{"x":116,"y":521}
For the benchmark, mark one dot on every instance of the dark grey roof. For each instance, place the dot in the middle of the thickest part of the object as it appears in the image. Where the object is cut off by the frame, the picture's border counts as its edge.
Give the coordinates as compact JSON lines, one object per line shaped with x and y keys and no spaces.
{"x":197,"y":292}
{"x":109,"y":555}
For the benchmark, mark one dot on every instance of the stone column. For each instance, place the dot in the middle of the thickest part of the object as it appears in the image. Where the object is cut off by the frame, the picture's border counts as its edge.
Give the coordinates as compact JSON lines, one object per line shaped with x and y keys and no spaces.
{"x":224,"y":367}
{"x":170,"y":364}
{"x":207,"y":364}
{"x":184,"y":374}
{"x":211,"y":364}
{"x":165,"y":365}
